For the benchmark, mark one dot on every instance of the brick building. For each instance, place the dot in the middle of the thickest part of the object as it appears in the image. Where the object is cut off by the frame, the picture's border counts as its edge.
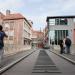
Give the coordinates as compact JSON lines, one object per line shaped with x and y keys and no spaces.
{"x":18,"y":29}
{"x":37,"y":38}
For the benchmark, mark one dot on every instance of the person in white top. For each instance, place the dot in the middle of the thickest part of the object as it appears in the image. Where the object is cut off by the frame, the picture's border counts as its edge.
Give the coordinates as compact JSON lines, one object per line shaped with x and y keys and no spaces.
{"x":64,"y":46}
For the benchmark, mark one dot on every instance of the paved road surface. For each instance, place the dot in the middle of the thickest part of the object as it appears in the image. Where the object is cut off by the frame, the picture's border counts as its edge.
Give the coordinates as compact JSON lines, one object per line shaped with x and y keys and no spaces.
{"x":42,"y":62}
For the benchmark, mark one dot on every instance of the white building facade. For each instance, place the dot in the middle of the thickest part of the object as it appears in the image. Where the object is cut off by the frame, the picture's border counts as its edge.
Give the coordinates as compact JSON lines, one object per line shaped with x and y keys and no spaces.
{"x":60,"y":27}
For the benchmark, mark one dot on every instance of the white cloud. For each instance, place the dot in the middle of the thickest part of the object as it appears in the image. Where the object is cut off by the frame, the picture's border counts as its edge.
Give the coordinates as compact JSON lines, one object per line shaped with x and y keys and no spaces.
{"x":38,"y":22}
{"x":10,"y":4}
{"x":68,"y":5}
{"x":50,"y":8}
{"x":38,"y":10}
{"x":34,"y":1}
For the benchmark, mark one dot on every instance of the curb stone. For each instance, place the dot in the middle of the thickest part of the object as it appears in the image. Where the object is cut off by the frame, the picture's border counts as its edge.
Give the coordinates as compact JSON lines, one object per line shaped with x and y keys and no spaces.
{"x":13,"y":63}
{"x":64,"y":57}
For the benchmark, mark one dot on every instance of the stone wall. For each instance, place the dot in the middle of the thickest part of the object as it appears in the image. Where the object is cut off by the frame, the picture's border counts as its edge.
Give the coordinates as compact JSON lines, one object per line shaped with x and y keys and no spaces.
{"x":13,"y":49}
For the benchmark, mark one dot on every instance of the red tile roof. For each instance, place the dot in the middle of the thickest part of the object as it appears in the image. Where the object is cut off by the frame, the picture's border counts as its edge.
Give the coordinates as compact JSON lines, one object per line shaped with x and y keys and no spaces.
{"x":14,"y":16}
{"x":37,"y":33}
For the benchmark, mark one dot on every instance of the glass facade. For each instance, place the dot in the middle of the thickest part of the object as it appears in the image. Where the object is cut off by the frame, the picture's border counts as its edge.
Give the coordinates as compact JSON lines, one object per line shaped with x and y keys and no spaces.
{"x":58,"y":21}
{"x":60,"y":35}
{"x":51,"y":21}
{"x":61,"y":21}
{"x":57,"y":35}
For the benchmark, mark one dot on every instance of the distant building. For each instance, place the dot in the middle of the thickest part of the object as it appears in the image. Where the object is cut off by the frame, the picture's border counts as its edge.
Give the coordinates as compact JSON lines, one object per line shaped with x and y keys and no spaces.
{"x":45,"y":41}
{"x":17,"y":27}
{"x":37,"y":39}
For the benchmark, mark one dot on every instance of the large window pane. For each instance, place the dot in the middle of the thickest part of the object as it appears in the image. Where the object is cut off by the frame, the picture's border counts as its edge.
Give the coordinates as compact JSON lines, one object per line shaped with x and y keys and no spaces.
{"x":52,"y":36}
{"x":61,"y":21}
{"x":51,"y":21}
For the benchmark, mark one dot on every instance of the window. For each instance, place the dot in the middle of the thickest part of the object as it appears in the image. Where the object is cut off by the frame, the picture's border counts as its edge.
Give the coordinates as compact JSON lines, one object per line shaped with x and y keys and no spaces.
{"x":57,"y":21}
{"x":10,"y":37}
{"x":60,"y":34}
{"x":11,"y":33}
{"x":11,"y":25}
{"x":61,"y":21}
{"x":6,"y":26}
{"x":51,"y":21}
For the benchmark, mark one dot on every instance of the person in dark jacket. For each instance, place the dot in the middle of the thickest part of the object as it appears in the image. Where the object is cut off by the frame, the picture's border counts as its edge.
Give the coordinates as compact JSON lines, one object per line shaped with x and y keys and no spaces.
{"x":2,"y":35}
{"x":68,"y":44}
{"x":61,"y":46}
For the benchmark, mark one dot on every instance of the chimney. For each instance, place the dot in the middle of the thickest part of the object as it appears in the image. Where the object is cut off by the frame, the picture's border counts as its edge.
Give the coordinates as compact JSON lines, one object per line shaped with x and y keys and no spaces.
{"x":7,"y":12}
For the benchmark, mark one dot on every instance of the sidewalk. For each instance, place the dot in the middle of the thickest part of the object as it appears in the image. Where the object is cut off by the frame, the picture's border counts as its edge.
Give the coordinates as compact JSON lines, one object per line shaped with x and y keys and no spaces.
{"x":10,"y":59}
{"x":69,"y":57}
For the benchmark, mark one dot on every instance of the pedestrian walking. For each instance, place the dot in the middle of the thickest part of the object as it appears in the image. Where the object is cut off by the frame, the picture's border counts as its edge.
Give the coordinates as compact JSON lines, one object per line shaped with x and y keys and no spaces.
{"x":52,"y":44}
{"x":61,"y":46}
{"x":2,"y":35}
{"x":64,"y":46}
{"x":68,"y":44}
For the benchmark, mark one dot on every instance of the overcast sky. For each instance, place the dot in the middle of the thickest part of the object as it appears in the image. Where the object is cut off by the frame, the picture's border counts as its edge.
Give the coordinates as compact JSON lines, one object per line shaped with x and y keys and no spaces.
{"x":38,"y":10}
